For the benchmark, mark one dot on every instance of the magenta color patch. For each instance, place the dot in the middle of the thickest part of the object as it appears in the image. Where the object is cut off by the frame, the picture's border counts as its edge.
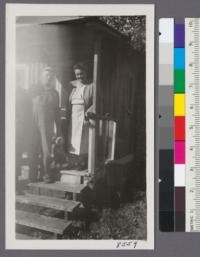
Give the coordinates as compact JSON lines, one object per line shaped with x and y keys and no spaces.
{"x":179,"y":152}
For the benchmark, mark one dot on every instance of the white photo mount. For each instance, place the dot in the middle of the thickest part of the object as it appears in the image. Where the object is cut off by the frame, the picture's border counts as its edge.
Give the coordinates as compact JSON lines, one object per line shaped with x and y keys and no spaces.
{"x":15,"y":10}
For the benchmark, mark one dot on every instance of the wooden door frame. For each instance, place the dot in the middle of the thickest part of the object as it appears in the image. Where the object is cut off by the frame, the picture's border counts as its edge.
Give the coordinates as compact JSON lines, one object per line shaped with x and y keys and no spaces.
{"x":92,"y":151}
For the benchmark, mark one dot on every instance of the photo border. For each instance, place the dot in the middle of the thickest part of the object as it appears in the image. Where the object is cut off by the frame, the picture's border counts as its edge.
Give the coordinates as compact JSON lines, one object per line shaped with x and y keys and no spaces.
{"x":13,"y":10}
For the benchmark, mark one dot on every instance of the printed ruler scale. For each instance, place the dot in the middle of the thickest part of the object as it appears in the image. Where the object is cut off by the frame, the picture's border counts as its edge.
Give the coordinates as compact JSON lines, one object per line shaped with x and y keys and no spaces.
{"x":192,"y":41}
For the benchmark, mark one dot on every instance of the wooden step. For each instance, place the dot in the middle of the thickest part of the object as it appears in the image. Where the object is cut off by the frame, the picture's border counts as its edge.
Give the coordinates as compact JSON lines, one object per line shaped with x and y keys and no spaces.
{"x":73,"y":177}
{"x":34,"y":220}
{"x":24,"y":237}
{"x":48,"y":202}
{"x":75,"y":172}
{"x":57,"y":189}
{"x":58,"y":186}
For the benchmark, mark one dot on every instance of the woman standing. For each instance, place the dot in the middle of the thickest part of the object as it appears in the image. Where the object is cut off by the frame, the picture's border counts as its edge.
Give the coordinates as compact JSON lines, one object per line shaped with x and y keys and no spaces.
{"x":79,"y":104}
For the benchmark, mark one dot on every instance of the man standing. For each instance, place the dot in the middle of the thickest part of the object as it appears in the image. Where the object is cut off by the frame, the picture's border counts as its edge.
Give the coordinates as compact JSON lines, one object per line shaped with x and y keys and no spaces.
{"x":45,"y":100}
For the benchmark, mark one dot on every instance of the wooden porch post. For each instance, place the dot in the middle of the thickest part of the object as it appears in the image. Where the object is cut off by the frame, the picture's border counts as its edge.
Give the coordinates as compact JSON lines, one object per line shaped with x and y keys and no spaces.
{"x":92,"y":151}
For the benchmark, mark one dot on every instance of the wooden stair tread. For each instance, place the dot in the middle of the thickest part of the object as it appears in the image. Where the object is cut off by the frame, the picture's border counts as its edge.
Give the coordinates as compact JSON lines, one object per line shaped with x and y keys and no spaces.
{"x":74,"y":172}
{"x":58,"y":186}
{"x":48,"y":202}
{"x":24,"y":237}
{"x":35,"y":220}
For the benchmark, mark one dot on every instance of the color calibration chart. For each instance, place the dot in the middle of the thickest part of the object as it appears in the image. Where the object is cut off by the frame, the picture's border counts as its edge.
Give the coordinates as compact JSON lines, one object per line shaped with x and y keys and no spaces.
{"x":179,"y":125}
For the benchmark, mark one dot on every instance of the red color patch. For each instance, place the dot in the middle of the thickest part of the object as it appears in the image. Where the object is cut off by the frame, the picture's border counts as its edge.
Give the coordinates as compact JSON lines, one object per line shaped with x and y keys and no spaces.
{"x":179,"y":128}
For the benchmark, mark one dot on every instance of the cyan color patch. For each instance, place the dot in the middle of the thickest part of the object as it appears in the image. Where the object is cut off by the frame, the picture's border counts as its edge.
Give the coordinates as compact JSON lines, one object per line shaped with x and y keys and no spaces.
{"x":179,"y":58}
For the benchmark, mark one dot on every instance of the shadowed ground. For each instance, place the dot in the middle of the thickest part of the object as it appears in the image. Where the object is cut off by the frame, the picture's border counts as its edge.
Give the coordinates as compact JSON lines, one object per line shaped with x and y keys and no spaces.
{"x":127,"y":222}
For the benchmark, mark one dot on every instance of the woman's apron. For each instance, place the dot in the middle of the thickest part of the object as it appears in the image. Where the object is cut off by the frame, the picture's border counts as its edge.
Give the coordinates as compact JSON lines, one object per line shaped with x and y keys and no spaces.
{"x":78,"y":135}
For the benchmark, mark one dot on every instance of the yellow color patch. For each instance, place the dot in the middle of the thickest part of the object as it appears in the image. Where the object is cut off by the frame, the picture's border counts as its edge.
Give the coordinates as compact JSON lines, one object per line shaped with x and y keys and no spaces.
{"x":179,"y":105}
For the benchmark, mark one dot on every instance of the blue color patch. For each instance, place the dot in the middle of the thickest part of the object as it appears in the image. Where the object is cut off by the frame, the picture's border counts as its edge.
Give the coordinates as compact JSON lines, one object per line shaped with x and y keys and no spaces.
{"x":179,"y":58}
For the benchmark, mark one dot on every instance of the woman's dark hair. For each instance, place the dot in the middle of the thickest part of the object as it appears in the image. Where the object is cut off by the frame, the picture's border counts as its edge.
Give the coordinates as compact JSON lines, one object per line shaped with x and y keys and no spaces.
{"x":79,"y":66}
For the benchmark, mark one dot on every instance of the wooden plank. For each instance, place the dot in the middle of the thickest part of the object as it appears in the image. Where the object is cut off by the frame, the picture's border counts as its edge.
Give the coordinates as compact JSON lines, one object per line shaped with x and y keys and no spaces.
{"x":96,"y":80}
{"x":102,"y":143}
{"x":91,"y":149}
{"x":74,"y":172}
{"x":47,"y":202}
{"x":58,"y":186}
{"x":23,"y":237}
{"x":113,"y":143}
{"x":73,"y":176}
{"x":34,"y":220}
{"x":92,"y":130}
{"x":71,"y":179}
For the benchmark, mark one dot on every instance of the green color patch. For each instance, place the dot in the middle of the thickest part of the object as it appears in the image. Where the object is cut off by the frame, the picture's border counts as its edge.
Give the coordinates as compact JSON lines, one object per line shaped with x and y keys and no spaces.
{"x":179,"y":81}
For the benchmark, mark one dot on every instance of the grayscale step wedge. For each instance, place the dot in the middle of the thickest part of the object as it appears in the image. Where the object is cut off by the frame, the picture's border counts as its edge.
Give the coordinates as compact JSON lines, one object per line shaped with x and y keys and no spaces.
{"x":48,"y":202}
{"x":57,"y":189}
{"x":33,"y":220}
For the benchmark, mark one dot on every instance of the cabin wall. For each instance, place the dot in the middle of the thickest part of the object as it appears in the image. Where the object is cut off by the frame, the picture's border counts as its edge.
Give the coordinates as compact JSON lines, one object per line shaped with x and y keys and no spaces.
{"x":122,"y":95}
{"x":139,"y":124}
{"x":122,"y":82}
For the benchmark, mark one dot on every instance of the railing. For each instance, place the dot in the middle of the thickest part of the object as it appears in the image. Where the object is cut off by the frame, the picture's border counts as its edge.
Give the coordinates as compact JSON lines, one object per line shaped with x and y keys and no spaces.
{"x":105,"y":141}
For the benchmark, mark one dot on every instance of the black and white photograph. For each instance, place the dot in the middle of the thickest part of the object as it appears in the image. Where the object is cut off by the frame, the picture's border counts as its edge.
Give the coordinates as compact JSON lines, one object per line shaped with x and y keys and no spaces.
{"x":79,"y":126}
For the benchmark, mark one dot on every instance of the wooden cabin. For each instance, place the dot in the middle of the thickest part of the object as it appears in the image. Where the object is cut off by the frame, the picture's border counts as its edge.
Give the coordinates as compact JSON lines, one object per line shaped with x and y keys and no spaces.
{"x":116,"y":69}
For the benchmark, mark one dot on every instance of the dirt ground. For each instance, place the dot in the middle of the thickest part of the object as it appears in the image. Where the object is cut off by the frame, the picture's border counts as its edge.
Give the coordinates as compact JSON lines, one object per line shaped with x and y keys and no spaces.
{"x":127,"y":222}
